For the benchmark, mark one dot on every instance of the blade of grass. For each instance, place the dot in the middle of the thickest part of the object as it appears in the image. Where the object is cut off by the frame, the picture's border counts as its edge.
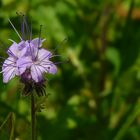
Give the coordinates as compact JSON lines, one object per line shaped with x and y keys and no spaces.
{"x":131,"y":118}
{"x":10,"y":120}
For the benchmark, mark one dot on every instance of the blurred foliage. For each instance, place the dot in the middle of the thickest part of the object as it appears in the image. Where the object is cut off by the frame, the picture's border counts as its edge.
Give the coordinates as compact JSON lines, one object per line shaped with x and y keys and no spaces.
{"x":96,"y":94}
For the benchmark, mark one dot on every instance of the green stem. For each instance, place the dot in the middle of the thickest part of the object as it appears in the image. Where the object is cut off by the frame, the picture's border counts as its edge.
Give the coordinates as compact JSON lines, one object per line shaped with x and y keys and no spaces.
{"x":33,"y":116}
{"x":131,"y":118}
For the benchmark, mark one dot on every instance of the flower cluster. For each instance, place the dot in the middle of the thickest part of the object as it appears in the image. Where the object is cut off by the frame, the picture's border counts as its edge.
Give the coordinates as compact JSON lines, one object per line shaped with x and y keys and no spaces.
{"x":28,"y":60}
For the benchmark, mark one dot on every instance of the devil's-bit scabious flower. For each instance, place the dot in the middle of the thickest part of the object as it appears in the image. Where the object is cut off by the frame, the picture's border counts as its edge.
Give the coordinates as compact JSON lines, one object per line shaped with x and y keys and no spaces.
{"x":29,"y":61}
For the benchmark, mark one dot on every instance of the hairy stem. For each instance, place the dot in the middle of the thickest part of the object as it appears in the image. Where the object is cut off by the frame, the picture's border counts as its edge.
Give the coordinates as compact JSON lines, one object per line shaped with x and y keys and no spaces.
{"x":33,"y":116}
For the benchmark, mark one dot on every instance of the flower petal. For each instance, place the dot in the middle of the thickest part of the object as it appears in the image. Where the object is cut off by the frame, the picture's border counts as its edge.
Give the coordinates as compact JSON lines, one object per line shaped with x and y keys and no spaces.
{"x":13,"y":50}
{"x":22,"y":49}
{"x":17,"y":50}
{"x":37,"y":42}
{"x":23,"y":63}
{"x":21,"y":45}
{"x":9,"y":61}
{"x":49,"y":66}
{"x":9,"y":69}
{"x":37,"y":73}
{"x":43,"y":54}
{"x":52,"y":69}
{"x":8,"y":74}
{"x":31,"y":50}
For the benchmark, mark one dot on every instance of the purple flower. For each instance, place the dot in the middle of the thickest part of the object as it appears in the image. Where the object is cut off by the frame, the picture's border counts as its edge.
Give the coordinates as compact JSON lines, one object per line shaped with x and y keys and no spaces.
{"x":29,"y":61}
{"x":37,"y":60}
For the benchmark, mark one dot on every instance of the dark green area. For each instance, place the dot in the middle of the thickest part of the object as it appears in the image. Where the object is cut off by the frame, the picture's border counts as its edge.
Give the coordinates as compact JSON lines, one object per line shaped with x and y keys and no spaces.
{"x":96,"y":93}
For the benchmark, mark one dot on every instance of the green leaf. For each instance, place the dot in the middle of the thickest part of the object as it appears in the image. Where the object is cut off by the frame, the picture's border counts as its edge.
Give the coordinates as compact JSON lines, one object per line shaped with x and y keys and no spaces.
{"x":113,"y":56}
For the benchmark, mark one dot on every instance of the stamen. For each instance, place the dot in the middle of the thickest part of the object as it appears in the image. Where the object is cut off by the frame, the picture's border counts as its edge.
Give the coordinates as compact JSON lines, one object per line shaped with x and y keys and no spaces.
{"x":11,"y":40}
{"x":7,"y":59}
{"x":3,"y":45}
{"x":27,"y":27}
{"x":31,"y":32}
{"x":2,"y":57}
{"x":39,"y":40}
{"x":23,"y":28}
{"x":56,"y":63}
{"x":21,"y":15}
{"x":50,"y":54}
{"x":47,"y":62}
{"x":46,"y":57}
{"x":39,"y":35}
{"x":56,"y":56}
{"x":10,"y":50}
{"x":15,"y":29}
{"x":61,"y":43}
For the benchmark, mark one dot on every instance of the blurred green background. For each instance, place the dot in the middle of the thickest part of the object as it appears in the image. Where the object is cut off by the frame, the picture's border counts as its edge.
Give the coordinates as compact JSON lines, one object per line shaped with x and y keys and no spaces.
{"x":96,"y":94}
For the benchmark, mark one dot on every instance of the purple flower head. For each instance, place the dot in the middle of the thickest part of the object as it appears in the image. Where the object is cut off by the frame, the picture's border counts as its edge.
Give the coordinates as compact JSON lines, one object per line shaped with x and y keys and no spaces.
{"x":28,"y":60}
{"x":37,"y":60}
